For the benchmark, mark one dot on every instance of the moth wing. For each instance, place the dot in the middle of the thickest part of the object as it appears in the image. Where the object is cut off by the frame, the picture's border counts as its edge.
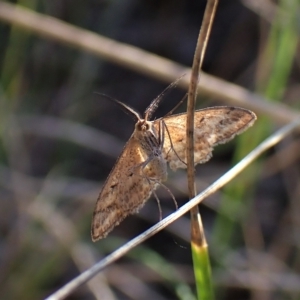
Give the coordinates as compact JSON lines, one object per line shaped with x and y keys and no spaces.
{"x":124,"y":192}
{"x":213,"y":126}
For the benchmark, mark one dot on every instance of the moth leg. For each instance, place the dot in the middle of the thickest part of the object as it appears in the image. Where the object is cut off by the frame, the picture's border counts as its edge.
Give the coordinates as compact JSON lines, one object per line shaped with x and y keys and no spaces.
{"x":155,"y":181}
{"x":158,"y":204}
{"x":170,"y":193}
{"x":157,"y":199}
{"x":155,"y":195}
{"x":141,"y":165}
{"x":152,"y":182}
{"x":171,"y":144}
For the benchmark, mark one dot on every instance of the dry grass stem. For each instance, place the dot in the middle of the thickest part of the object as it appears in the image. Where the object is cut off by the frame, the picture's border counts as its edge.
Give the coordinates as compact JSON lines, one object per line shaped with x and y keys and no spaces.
{"x":197,"y":233}
{"x":80,"y":134}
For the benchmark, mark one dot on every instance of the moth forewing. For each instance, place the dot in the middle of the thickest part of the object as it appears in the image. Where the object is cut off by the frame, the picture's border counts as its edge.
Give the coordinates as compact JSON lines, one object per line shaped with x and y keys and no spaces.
{"x":108,"y":212}
{"x":213,"y":126}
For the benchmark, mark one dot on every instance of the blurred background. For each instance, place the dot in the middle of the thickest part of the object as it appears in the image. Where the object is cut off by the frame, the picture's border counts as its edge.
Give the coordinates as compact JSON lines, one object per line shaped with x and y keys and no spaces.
{"x":59,"y":141}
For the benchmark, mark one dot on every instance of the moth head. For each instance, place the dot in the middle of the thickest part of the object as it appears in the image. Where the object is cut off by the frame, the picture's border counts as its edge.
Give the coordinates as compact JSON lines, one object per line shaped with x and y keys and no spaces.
{"x":144,"y":129}
{"x":143,"y":125}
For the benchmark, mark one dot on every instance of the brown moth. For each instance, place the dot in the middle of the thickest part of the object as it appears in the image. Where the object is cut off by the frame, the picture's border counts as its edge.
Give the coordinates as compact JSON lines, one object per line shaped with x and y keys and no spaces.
{"x":142,"y":166}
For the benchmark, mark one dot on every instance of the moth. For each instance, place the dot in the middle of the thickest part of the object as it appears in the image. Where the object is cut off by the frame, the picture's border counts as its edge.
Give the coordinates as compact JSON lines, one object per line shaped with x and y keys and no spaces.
{"x":142,"y":165}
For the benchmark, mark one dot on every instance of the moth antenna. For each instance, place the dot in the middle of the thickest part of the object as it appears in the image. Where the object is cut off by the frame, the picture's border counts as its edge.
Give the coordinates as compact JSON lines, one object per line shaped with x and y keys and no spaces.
{"x":127,"y":109}
{"x":155,"y":103}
